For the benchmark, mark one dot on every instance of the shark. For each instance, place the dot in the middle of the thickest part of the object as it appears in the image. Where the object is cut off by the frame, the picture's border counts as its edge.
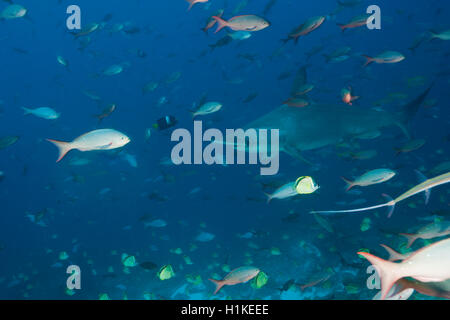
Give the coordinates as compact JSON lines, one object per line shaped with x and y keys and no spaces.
{"x":323,"y":124}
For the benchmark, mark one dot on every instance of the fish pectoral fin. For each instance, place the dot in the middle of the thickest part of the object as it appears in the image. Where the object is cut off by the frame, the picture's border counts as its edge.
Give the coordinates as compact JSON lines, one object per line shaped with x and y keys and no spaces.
{"x":106,"y":146}
{"x":294,"y":152}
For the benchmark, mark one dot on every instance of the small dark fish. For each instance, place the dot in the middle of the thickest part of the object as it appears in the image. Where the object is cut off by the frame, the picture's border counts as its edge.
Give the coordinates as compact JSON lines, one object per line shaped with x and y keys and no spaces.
{"x":19,"y":50}
{"x":145,"y":217}
{"x":7,"y":141}
{"x":287,"y":285}
{"x":106,"y":112}
{"x":148,"y":265}
{"x":165,"y":123}
{"x":250,"y":97}
{"x":132,"y":30}
{"x":141,"y":53}
{"x":221,"y":42}
{"x":291,"y":217}
{"x":157,"y":197}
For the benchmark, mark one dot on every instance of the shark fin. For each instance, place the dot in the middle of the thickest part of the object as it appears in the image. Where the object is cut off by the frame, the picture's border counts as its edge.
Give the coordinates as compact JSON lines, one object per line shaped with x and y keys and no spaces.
{"x":294,"y":152}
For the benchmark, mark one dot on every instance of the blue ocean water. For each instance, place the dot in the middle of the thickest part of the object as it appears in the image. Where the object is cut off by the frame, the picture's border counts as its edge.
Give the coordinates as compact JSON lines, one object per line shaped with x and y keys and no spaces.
{"x":96,"y":206}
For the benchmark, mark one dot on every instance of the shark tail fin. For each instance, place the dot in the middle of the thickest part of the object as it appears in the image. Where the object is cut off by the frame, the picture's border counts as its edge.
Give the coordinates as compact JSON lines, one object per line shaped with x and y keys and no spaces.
{"x":410,"y":110}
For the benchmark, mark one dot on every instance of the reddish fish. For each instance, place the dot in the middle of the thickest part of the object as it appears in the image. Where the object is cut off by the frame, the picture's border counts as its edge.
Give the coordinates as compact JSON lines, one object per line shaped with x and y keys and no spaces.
{"x":429,"y":264}
{"x":192,"y":2}
{"x":315,"y":282}
{"x":385,"y":57}
{"x":356,"y":22}
{"x":239,"y":275}
{"x":347,"y":96}
{"x":432,"y":289}
{"x":410,"y":146}
{"x":106,"y":112}
{"x":242,"y":23}
{"x":307,"y":27}
{"x":431,"y":231}
{"x":211,"y":21}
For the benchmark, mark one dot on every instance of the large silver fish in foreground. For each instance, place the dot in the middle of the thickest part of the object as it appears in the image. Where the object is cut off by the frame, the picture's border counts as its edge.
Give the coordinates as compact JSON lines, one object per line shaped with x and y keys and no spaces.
{"x":320,"y":125}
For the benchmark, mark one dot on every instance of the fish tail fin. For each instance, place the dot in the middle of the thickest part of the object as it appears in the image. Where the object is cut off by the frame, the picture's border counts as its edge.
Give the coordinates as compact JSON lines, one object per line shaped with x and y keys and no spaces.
{"x":26,"y":111}
{"x":393,"y":255}
{"x":410,"y":237}
{"x":350,"y":184}
{"x":368,"y":61}
{"x":433,"y":34}
{"x":397,"y":151}
{"x":62,"y":146}
{"x":342,"y":26}
{"x":410,"y":109}
{"x":219,"y":284}
{"x":191,"y":3}
{"x":389,"y":272}
{"x":220,"y":23}
{"x":269,"y":197}
{"x":391,"y":204}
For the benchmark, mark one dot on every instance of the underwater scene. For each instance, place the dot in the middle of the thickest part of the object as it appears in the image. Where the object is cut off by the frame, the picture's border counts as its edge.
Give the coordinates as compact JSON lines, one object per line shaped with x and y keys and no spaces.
{"x":224,"y":149}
